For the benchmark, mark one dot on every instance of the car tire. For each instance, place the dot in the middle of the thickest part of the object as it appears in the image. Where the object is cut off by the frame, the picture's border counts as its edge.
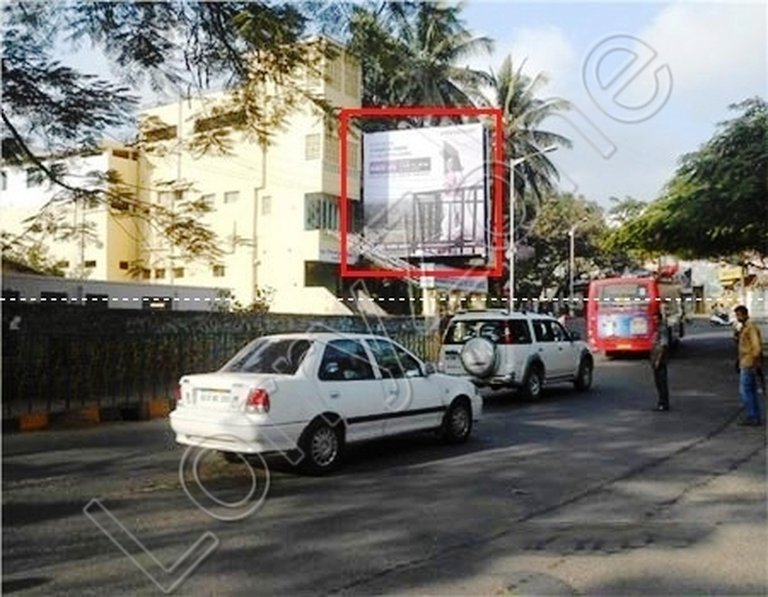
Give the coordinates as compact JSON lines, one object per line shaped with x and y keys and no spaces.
{"x":457,"y":422}
{"x":479,"y":357}
{"x":533,"y":383}
{"x":322,"y":447}
{"x":583,"y":379}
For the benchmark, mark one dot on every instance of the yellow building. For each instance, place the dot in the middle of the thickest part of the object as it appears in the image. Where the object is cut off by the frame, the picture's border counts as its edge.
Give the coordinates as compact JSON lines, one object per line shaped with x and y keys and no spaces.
{"x":275,"y":207}
{"x":98,"y":244}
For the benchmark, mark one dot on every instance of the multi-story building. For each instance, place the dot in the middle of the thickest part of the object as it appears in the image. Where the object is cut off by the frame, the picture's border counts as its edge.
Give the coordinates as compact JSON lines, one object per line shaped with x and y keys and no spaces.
{"x":92,"y":241}
{"x":275,"y":206}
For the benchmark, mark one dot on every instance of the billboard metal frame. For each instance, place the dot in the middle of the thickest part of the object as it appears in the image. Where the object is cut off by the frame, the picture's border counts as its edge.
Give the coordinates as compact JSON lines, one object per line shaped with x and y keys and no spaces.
{"x":497,"y":234}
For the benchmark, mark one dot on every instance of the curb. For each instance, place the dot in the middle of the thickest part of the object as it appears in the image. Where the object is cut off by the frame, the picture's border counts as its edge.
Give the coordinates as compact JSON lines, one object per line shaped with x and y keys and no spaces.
{"x":89,"y":416}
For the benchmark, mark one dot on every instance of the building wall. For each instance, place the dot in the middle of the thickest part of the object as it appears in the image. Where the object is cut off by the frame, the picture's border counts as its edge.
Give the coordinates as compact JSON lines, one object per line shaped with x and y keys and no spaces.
{"x":265,"y":240}
{"x":110,"y":240}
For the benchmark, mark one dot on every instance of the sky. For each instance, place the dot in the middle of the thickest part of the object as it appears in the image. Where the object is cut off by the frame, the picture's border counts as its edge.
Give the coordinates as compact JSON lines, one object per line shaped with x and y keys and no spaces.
{"x":648,"y":81}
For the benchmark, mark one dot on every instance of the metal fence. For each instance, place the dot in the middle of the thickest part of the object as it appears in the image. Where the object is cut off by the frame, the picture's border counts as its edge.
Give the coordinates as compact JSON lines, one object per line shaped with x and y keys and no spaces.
{"x":62,"y":371}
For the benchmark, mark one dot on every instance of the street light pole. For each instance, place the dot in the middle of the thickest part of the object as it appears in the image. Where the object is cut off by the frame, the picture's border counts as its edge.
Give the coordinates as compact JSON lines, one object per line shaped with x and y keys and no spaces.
{"x":512,"y":164}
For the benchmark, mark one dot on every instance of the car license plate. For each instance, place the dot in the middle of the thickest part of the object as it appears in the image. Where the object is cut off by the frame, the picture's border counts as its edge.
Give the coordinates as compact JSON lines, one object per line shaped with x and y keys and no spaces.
{"x":213,"y":398}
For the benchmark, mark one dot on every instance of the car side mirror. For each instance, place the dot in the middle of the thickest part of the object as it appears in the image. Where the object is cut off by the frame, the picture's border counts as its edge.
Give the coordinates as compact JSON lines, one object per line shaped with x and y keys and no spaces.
{"x":575,"y":335}
{"x":429,"y":369}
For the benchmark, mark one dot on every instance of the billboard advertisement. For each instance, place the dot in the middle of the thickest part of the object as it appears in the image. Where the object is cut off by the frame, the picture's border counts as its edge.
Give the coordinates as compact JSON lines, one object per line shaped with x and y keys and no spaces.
{"x":425,"y":191}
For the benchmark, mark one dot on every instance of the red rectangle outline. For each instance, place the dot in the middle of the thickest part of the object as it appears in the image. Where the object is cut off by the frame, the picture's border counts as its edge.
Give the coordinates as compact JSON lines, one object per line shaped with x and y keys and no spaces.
{"x":498,"y":171}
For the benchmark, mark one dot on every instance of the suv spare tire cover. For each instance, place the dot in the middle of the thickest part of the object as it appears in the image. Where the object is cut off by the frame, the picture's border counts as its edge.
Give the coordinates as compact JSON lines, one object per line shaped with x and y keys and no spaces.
{"x":479,"y":357}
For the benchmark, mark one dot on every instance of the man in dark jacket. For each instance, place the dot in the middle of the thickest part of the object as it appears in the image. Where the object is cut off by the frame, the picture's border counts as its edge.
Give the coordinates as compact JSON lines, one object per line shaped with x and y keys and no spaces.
{"x":659,"y":358}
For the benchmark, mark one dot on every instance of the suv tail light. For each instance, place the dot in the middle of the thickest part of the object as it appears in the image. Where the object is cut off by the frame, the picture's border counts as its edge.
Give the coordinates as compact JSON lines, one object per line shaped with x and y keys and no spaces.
{"x":257,"y":401}
{"x":177,"y":395}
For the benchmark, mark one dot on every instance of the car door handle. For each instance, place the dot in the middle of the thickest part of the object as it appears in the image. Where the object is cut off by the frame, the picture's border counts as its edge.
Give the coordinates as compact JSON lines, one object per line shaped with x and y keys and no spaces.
{"x":334,"y":394}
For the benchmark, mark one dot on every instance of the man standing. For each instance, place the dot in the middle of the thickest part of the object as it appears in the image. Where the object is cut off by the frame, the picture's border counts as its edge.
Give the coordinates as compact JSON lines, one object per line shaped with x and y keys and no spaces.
{"x":659,"y":357}
{"x":750,"y":360}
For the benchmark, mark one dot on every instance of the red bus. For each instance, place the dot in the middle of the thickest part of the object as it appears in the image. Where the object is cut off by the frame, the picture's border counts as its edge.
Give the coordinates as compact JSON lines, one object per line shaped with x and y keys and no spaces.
{"x":621,"y":313}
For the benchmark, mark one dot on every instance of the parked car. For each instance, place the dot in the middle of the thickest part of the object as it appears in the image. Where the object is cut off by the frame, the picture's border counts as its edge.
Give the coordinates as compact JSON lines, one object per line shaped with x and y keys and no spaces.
{"x":526,"y":351}
{"x":312,"y":394}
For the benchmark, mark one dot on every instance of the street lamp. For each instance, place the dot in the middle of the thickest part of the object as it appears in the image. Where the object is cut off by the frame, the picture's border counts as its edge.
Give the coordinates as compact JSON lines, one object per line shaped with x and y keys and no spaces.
{"x":512,"y":164}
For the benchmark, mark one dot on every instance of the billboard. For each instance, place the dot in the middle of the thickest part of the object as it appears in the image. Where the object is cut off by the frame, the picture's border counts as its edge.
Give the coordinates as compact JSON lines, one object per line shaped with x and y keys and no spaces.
{"x":425,"y":191}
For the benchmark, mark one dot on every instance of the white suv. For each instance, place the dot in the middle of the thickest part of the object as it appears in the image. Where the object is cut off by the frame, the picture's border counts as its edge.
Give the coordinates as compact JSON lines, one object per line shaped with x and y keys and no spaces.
{"x":519,"y":350}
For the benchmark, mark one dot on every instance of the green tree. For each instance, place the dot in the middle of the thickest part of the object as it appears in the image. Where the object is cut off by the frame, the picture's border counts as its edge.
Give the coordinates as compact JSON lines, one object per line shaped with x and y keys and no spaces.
{"x":411,"y":54}
{"x":524,"y":116}
{"x":626,"y":209}
{"x":179,"y":47}
{"x":716,"y":204}
{"x":549,"y":238}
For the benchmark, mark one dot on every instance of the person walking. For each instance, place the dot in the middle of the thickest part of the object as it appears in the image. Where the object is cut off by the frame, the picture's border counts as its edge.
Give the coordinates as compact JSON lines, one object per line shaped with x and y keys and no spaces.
{"x":750,"y":362}
{"x":659,"y":358}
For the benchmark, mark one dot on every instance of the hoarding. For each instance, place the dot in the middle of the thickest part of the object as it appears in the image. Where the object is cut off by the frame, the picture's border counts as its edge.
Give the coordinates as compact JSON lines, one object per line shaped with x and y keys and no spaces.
{"x":425,"y":191}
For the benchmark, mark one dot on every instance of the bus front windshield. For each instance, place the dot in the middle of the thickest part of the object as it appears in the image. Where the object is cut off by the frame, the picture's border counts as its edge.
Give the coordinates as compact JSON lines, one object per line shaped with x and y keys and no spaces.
{"x":624,"y":294}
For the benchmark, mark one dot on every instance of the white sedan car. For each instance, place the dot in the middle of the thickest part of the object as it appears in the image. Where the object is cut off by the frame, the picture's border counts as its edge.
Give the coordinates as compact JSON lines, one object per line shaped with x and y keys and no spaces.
{"x":308,"y":395}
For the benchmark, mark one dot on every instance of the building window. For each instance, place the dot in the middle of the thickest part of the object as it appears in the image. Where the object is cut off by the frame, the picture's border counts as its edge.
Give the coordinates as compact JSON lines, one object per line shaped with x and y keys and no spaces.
{"x":146,"y":274}
{"x":161,"y":134}
{"x":219,"y":271}
{"x":35,"y":177}
{"x":331,"y":149}
{"x":231,"y":196}
{"x":123,"y":265}
{"x":219,"y":121}
{"x":353,"y":156}
{"x":351,"y":77}
{"x":178,"y":272}
{"x":123,"y":153}
{"x":159,"y":273}
{"x":91,"y":263}
{"x":4,"y":178}
{"x":321,"y":212}
{"x":312,"y":147}
{"x":266,"y":206}
{"x":333,"y":73}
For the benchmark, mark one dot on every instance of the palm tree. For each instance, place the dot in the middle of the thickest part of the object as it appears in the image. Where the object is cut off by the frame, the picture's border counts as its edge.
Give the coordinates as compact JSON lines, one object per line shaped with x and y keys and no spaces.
{"x":524,"y":113}
{"x":411,"y":52}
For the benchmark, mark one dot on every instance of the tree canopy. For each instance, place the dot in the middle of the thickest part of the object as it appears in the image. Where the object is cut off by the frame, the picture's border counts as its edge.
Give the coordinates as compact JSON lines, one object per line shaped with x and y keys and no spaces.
{"x":716,"y":204}
{"x":182,"y":47}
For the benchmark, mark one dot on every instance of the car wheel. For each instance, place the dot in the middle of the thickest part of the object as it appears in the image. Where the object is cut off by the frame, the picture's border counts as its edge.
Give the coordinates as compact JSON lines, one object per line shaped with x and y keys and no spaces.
{"x":532,"y":386}
{"x":457,"y":422}
{"x":583,"y":379}
{"x":322,"y":446}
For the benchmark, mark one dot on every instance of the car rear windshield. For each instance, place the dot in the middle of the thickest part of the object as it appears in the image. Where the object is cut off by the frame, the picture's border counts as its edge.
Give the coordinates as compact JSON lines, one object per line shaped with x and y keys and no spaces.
{"x":269,"y":355}
{"x":514,"y":331}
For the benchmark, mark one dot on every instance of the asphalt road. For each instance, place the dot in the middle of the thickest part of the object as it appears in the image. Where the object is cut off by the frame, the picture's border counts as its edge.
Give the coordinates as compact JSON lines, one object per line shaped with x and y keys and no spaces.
{"x":577,"y":493}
